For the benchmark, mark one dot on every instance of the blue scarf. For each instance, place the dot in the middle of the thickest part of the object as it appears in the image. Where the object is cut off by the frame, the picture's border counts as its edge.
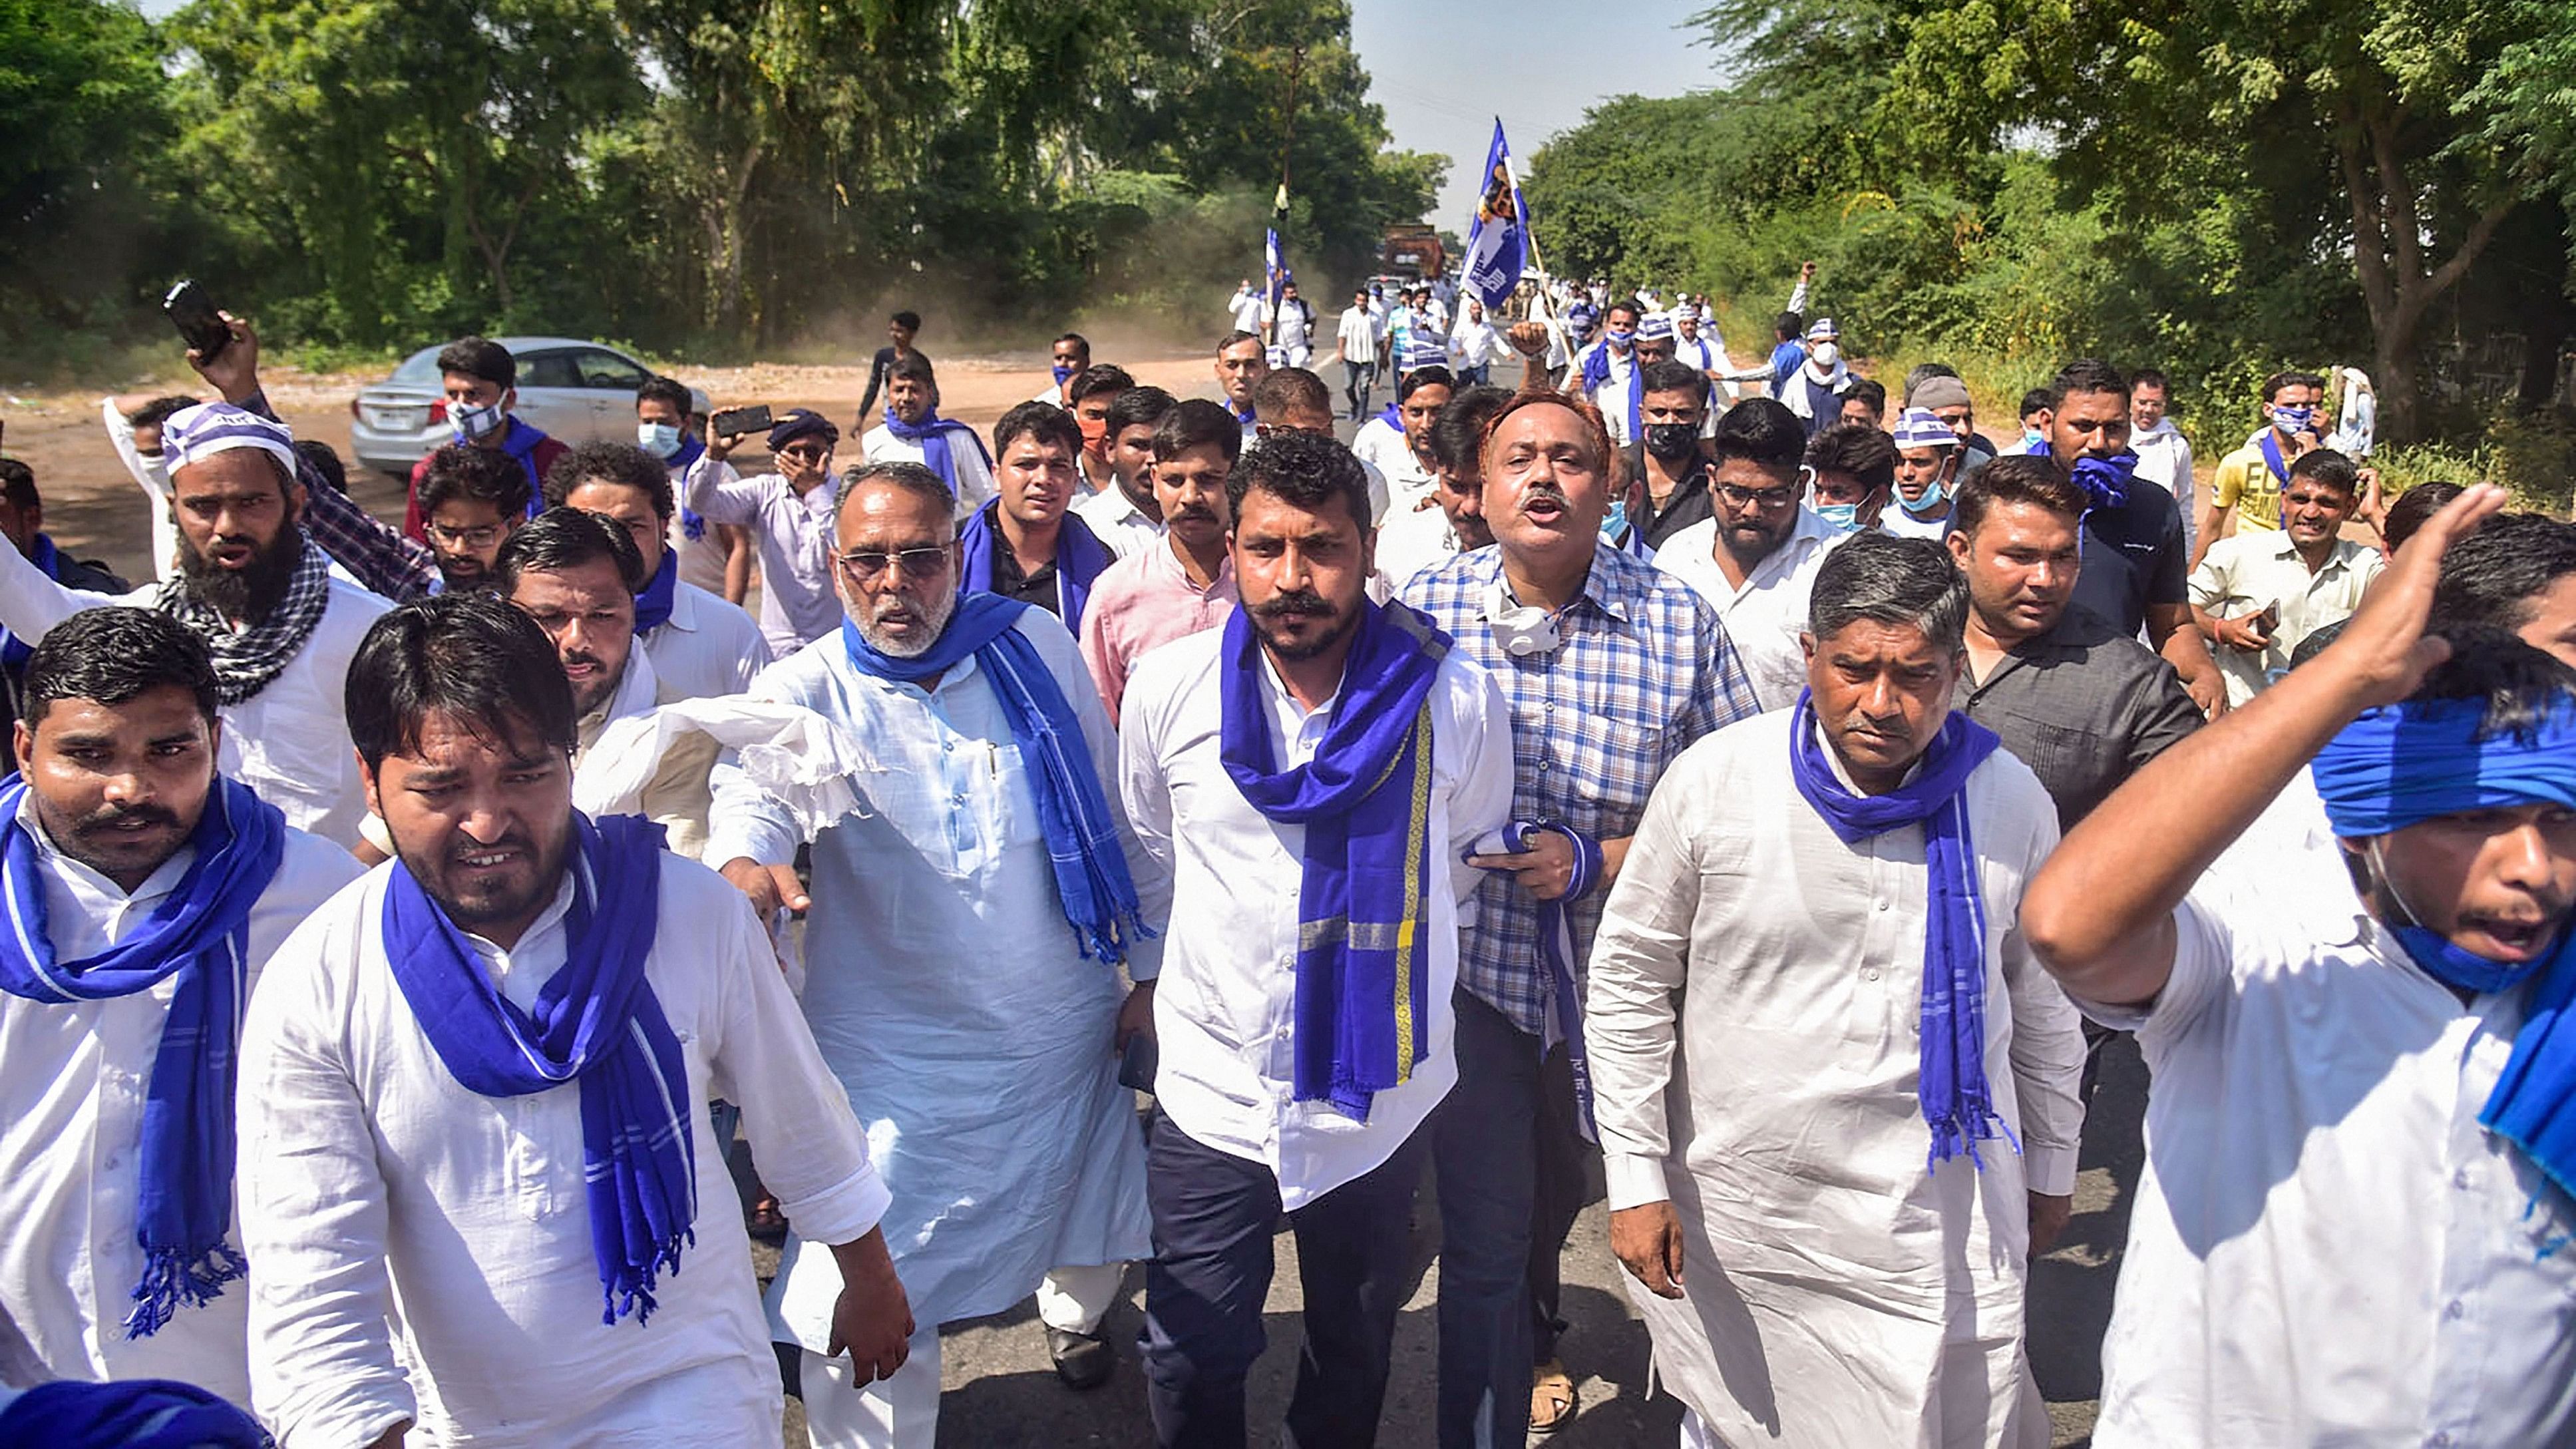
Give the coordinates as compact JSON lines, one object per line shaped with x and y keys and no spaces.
{"x":1079,"y":558}
{"x":1952,"y":1089}
{"x":597,"y":1023}
{"x":1556,"y":953}
{"x":1091,"y":879}
{"x":653,"y":601}
{"x":521,"y":442}
{"x":1246,"y":414}
{"x":692,"y":526}
{"x":1596,"y":371}
{"x":2105,"y":481}
{"x":931,"y":433}
{"x":127,"y":1414}
{"x":200,"y":934}
{"x":14,"y":650}
{"x":1365,"y":881}
{"x":1393,"y":416}
{"x":2401,"y":764}
{"x":2270,"y":446}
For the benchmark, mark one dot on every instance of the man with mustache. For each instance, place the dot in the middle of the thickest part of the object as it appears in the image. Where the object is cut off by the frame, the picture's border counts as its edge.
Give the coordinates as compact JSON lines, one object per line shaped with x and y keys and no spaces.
{"x":701,"y":646}
{"x":963,"y":954}
{"x":1755,"y":559}
{"x":1612,"y":668}
{"x":1314,"y":774}
{"x":1837,"y":1096}
{"x":1185,"y":583}
{"x":1397,"y":442}
{"x":475,"y":1082}
{"x":1451,"y":520}
{"x":2357,"y":1146}
{"x":1026,"y":544}
{"x":2084,"y":705}
{"x":914,"y":432}
{"x":1241,"y":363}
{"x":148,"y":894}
{"x":2256,"y":594}
{"x":280,"y":628}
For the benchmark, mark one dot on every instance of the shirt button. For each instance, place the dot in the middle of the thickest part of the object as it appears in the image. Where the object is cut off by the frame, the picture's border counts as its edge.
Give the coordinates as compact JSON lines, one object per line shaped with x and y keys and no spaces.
{"x":1869,"y":973}
{"x":947,"y":747}
{"x":2460,"y":1179}
{"x":2454,"y":1310}
{"x":1882,"y":904}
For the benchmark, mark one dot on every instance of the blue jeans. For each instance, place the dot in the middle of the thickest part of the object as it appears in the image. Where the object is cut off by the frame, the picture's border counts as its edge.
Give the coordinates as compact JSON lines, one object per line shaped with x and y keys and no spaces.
{"x":1513,"y":1170}
{"x":1214,"y":1214}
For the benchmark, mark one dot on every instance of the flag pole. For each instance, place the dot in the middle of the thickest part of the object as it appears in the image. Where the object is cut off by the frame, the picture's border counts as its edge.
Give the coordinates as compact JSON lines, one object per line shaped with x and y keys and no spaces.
{"x":1529,"y":231}
{"x":1279,"y":204}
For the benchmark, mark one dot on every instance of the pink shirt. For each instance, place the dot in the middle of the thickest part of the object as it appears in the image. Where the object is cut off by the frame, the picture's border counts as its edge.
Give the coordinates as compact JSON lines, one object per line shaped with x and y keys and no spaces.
{"x":1143,"y":601}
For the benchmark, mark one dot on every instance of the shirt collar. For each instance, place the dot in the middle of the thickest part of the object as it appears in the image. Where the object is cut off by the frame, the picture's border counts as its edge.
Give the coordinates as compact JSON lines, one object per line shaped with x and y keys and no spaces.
{"x":684,"y":607}
{"x":1166,"y":563}
{"x":2340,"y":556}
{"x":1615,"y":585}
{"x":86,"y":881}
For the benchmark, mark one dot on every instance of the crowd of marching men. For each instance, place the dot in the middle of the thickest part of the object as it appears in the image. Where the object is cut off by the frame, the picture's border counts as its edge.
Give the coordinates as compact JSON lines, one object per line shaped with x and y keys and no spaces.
{"x":1707,"y":786}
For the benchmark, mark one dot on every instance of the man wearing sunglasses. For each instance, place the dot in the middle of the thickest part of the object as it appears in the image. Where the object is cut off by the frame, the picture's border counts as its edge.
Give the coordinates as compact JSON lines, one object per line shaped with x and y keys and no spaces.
{"x":1757,"y":559}
{"x":963,"y":955}
{"x":789,"y":513}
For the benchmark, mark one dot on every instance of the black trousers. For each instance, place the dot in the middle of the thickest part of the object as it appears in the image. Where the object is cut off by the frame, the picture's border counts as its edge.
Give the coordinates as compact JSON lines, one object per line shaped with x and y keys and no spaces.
{"x":1213,"y":1217}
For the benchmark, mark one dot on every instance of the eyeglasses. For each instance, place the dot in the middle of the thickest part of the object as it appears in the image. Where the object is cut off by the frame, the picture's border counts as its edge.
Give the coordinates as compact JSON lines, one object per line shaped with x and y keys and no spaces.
{"x":482,"y":535}
{"x":1769,"y":500}
{"x":866,"y":565}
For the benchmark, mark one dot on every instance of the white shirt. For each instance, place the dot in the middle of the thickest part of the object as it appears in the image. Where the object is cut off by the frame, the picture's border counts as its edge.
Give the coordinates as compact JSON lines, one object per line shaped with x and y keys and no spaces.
{"x":1293,"y":318}
{"x":702,"y":560}
{"x":73,"y":1078}
{"x":965,"y":1079}
{"x":2326,"y":1247}
{"x":1382,"y":447}
{"x":1611,"y":397}
{"x":2244,"y":573}
{"x":1413,"y":539}
{"x":793,"y":535}
{"x":1357,"y":336}
{"x":1224,"y":1011}
{"x":152,"y":475}
{"x":707,"y":648}
{"x":1116,"y":521}
{"x":974,"y":476}
{"x":1248,"y":307}
{"x":1764,"y":617}
{"x":373,"y":1182}
{"x":1754,"y":1016}
{"x":1478,"y":344}
{"x":290,"y":741}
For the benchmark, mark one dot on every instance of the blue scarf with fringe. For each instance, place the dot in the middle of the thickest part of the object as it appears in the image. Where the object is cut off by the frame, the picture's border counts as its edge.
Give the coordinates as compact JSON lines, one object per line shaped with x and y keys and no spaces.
{"x":931,"y":433}
{"x":1091,"y":876}
{"x":595,"y":1023}
{"x":199,"y":934}
{"x":1952,"y":1091}
{"x":1363,"y":986}
{"x":2402,"y":764}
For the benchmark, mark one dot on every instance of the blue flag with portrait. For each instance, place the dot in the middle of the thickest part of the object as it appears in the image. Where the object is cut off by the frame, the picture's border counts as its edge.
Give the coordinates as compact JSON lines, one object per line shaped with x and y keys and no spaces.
{"x":1498,"y":240}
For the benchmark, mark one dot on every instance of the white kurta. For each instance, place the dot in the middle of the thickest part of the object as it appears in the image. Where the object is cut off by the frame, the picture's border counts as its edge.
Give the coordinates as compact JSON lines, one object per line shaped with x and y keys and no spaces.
{"x":974,"y":475}
{"x":2328,"y":1248}
{"x":1226,"y":1011}
{"x":290,"y":741}
{"x":1116,"y":521}
{"x":372,"y":1182}
{"x":1765,"y":616}
{"x":949,"y":994}
{"x":1838,"y":1292}
{"x":73,"y":1078}
{"x":707,"y":648}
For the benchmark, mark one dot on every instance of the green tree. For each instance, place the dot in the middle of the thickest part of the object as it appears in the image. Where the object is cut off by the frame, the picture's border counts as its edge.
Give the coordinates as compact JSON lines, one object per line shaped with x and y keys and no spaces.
{"x":83,"y":120}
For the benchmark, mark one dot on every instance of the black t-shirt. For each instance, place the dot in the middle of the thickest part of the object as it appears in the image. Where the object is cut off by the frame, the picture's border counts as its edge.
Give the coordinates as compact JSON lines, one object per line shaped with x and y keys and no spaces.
{"x":1037,"y":588}
{"x":2133,"y":557}
{"x":1689,"y":503}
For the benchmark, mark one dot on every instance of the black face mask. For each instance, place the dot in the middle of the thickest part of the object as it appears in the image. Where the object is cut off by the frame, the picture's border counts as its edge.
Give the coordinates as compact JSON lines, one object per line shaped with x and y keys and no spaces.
{"x":1672,"y":442}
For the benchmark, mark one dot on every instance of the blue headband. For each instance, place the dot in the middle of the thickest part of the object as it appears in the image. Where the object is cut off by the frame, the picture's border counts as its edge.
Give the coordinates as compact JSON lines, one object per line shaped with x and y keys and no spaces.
{"x":2404,"y":763}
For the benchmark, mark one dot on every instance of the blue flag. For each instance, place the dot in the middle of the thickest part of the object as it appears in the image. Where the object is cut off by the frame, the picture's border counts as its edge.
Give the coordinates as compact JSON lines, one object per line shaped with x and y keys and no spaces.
{"x":1498,"y":239}
{"x":1274,"y":272}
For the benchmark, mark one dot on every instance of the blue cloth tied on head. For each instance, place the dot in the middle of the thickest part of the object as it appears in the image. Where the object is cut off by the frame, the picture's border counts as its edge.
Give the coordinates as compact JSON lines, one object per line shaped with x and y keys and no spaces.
{"x":200,"y":935}
{"x":596,"y":1023}
{"x":2402,"y":764}
{"x":1952,"y":1091}
{"x":1091,"y":876}
{"x":1363,"y":970}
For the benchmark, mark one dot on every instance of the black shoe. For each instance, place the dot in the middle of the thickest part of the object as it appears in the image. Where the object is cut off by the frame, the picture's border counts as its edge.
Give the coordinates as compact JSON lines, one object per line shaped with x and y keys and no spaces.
{"x":1082,"y":1360}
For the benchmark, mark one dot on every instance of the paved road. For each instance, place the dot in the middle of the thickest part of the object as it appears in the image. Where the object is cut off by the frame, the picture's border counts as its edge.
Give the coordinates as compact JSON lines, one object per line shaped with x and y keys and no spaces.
{"x":1001,"y":1393}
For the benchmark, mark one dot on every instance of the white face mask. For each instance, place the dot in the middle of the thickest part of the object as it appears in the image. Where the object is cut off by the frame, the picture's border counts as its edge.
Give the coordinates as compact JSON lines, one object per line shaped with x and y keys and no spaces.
{"x":659,"y":439}
{"x":1826,"y":354}
{"x":1520,"y":629}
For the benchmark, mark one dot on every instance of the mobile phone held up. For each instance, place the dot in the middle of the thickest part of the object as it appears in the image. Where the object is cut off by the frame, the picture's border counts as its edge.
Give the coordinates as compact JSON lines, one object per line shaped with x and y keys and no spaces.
{"x":738,"y":422}
{"x":194,"y":313}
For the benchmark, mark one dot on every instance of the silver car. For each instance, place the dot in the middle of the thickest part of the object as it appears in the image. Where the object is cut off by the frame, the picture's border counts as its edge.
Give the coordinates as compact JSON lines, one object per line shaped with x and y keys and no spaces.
{"x":573,"y":390}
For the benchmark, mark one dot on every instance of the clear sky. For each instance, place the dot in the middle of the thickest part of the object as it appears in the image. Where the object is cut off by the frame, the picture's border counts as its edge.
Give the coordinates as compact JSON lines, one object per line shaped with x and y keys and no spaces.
{"x":1444,"y":69}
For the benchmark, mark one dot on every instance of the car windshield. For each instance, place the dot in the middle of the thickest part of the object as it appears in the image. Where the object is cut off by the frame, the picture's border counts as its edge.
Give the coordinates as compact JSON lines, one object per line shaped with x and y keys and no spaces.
{"x":419,"y":368}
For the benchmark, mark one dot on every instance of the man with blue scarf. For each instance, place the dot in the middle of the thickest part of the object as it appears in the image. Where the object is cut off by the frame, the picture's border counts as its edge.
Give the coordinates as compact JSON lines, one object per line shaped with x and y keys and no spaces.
{"x":963,"y":956}
{"x":1026,"y":544}
{"x":1314,"y":773}
{"x":912,"y":431}
{"x":2355,"y":1221}
{"x":1836,"y":1095}
{"x":474,"y":1085}
{"x":701,"y":646}
{"x":146,"y":893}
{"x":1607,"y":373}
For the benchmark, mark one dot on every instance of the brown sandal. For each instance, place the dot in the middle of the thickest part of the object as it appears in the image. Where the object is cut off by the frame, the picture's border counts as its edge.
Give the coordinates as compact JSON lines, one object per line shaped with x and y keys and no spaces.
{"x":1552,"y":1398}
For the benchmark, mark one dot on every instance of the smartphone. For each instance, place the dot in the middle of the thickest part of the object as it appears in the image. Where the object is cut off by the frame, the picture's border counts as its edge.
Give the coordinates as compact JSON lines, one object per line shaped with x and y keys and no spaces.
{"x":1137,"y":1063}
{"x":194,"y":313}
{"x":735,"y":422}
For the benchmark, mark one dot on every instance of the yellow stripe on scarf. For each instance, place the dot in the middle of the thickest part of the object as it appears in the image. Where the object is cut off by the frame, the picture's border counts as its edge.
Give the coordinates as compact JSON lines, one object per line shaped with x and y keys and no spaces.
{"x":1409,"y":927}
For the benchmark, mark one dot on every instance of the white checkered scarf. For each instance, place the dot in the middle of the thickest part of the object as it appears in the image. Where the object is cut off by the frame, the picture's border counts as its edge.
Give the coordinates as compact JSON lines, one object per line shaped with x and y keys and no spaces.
{"x":246,"y":660}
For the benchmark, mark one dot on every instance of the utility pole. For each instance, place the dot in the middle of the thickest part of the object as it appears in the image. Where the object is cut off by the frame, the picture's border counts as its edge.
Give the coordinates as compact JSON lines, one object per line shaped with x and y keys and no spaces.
{"x":1279,"y":202}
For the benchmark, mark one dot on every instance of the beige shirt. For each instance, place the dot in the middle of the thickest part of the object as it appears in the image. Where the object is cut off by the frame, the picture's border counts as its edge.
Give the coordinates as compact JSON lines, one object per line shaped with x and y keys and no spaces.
{"x":1755,"y":1007}
{"x":2246,"y":572}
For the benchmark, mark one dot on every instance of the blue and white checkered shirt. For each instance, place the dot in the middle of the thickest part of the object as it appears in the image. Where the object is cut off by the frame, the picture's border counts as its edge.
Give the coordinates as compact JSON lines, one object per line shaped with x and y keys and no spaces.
{"x":1642,"y":668}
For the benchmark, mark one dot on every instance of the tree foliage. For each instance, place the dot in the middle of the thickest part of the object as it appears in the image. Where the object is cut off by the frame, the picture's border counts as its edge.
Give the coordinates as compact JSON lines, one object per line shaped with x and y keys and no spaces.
{"x":714,"y":173}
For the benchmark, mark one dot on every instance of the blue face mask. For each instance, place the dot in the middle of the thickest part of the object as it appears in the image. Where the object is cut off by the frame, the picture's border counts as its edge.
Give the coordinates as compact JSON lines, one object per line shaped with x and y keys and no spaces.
{"x":2293,"y":420}
{"x":1843,"y":517}
{"x":472,"y":423}
{"x":1619,"y":341}
{"x":1062,"y":372}
{"x":1933,"y":497}
{"x":1615,"y":522}
{"x":659,"y":439}
{"x":2033,"y":441}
